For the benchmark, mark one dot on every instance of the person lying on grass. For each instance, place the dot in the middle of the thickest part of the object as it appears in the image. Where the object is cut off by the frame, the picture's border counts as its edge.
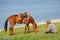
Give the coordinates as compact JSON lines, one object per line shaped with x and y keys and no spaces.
{"x":51,"y":28}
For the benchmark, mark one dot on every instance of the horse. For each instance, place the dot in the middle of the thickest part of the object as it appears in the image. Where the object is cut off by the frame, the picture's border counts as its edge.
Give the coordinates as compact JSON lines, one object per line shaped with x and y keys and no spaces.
{"x":13,"y":19}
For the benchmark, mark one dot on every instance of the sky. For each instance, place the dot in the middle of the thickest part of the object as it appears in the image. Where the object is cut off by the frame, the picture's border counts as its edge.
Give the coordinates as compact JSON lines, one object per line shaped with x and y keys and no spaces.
{"x":40,"y":10}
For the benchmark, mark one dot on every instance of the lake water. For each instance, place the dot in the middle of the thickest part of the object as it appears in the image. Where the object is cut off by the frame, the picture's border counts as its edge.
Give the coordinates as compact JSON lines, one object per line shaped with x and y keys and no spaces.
{"x":40,"y":10}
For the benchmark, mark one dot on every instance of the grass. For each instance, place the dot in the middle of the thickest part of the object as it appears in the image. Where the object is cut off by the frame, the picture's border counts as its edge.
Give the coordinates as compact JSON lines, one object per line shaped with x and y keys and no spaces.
{"x":19,"y":34}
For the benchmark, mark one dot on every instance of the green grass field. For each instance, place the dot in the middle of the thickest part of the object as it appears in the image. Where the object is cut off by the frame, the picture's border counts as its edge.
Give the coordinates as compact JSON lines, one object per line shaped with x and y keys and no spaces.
{"x":40,"y":35}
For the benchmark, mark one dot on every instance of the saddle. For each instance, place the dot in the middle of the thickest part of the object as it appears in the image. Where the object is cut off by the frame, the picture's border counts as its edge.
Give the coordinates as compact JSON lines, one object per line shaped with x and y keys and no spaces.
{"x":23,"y":16}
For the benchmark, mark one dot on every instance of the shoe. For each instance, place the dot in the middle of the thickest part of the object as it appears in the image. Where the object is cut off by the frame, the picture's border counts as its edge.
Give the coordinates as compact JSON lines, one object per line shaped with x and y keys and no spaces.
{"x":46,"y":32}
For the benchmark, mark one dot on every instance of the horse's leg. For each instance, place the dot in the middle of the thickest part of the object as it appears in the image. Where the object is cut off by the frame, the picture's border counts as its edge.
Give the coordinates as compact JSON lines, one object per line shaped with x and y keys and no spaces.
{"x":11,"y":29}
{"x":25,"y":29}
{"x":27,"y":25}
{"x":28,"y":28}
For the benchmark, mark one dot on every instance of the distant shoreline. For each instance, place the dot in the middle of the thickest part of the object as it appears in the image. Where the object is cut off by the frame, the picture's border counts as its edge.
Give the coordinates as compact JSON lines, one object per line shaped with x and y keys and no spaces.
{"x":40,"y":23}
{"x":53,"y":21}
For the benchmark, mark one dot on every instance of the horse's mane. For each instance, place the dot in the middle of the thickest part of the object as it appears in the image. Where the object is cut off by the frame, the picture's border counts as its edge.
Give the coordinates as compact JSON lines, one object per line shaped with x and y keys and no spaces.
{"x":12,"y":16}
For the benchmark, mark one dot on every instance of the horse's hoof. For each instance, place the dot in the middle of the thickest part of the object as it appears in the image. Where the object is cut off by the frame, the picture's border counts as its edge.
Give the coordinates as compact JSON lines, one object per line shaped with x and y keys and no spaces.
{"x":36,"y":31}
{"x":25,"y":32}
{"x":28,"y":31}
{"x":11,"y":34}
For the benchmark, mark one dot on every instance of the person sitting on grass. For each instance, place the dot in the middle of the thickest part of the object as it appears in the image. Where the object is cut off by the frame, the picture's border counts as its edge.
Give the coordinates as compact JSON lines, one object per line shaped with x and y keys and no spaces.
{"x":51,"y":28}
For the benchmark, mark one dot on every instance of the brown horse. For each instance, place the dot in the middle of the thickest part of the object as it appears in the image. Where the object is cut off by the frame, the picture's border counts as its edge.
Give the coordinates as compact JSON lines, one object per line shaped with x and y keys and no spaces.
{"x":14,"y":19}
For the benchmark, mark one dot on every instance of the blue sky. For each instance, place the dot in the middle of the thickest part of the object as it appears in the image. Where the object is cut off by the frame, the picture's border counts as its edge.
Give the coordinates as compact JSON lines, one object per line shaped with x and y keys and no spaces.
{"x":40,"y":10}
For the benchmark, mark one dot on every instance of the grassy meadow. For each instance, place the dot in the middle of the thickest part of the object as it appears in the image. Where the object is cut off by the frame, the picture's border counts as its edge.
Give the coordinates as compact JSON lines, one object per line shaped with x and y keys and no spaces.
{"x":40,"y":35}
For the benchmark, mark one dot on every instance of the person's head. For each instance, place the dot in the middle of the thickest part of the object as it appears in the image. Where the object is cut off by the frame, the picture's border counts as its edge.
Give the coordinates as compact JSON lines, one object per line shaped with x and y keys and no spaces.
{"x":48,"y":21}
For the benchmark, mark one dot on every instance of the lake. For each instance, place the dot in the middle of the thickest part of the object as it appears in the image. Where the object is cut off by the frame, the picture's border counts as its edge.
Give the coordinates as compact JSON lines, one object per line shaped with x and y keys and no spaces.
{"x":40,"y":10}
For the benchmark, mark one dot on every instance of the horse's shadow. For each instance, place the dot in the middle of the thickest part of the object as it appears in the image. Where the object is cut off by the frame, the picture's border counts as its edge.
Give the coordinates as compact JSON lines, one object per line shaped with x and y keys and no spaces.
{"x":22,"y":32}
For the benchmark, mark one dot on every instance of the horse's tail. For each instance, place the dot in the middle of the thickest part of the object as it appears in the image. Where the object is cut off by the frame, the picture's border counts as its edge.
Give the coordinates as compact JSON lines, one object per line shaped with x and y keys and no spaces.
{"x":5,"y":25}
